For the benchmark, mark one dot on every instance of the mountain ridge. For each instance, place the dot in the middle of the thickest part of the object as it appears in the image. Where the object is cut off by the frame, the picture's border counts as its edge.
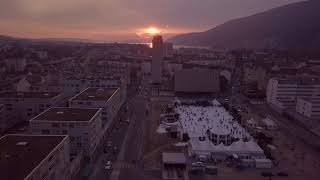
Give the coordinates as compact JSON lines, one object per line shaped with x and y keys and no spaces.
{"x":291,"y":26}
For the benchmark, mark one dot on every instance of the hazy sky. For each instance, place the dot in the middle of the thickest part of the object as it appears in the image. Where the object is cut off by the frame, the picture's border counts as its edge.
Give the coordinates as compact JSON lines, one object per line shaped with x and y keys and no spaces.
{"x":120,"y":19}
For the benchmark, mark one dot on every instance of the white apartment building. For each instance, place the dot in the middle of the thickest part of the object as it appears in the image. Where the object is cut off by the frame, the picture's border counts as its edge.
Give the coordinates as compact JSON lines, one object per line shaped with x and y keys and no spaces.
{"x":109,"y":99}
{"x":83,"y":125}
{"x":309,"y":107}
{"x":32,"y":157}
{"x":283,"y":92}
{"x":75,"y":85}
{"x":22,"y":106}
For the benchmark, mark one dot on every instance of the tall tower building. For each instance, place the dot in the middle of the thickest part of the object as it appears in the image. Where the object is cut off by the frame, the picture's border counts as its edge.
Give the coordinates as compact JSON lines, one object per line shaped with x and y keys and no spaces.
{"x":157,"y":58}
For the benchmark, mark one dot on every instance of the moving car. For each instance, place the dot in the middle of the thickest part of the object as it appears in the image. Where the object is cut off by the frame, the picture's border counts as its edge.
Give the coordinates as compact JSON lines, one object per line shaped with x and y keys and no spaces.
{"x":108,"y":165}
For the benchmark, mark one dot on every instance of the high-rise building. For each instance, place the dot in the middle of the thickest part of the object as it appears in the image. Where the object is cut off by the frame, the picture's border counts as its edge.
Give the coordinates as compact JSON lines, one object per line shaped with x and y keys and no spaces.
{"x":157,"y":58}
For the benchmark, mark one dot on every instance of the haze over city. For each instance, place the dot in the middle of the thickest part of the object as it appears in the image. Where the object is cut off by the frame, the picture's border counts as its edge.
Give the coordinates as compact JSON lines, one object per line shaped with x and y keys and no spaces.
{"x":119,"y":20}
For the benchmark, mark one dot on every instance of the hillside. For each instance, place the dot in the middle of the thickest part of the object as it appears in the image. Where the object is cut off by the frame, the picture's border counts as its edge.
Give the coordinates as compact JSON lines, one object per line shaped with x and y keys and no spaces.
{"x":292,"y":26}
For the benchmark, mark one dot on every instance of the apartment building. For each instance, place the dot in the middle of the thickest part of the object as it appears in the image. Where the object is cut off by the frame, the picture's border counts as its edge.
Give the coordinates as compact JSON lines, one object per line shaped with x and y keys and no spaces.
{"x":83,"y":125}
{"x":109,"y":99}
{"x":22,"y":106}
{"x":33,"y":157}
{"x":309,"y":107}
{"x":75,"y":85}
{"x":283,"y":92}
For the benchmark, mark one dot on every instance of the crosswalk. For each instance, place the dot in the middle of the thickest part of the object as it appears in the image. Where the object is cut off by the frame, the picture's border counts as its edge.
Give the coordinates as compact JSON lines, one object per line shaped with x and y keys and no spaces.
{"x":125,"y":165}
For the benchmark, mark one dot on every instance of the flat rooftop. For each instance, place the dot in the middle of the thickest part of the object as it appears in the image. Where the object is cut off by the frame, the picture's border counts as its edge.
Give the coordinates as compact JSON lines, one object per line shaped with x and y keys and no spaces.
{"x":67,"y":114}
{"x":29,"y":94}
{"x":173,"y":158}
{"x":20,"y":154}
{"x":97,"y":94}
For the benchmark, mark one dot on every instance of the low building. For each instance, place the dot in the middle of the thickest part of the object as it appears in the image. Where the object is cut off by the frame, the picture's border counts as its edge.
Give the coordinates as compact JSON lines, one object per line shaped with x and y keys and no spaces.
{"x":197,"y":81}
{"x":109,"y":99}
{"x":31,"y":157}
{"x":83,"y":125}
{"x":174,"y":166}
{"x":269,"y":123}
{"x":309,"y":107}
{"x":22,"y":106}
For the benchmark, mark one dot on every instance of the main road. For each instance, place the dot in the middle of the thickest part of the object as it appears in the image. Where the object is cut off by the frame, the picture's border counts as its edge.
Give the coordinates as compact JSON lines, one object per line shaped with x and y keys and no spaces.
{"x":129,"y":163}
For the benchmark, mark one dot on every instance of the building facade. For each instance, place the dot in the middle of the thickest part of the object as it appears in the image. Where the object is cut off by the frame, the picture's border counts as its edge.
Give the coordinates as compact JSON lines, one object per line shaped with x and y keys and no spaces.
{"x":22,"y":106}
{"x":75,"y":85}
{"x":109,"y":99}
{"x":283,"y":92}
{"x":197,"y":81}
{"x":309,"y":107}
{"x":83,"y":125}
{"x":32,"y":157}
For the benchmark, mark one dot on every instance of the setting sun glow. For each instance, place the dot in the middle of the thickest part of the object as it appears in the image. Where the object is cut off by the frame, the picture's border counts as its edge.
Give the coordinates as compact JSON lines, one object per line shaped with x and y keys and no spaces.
{"x":152,"y":31}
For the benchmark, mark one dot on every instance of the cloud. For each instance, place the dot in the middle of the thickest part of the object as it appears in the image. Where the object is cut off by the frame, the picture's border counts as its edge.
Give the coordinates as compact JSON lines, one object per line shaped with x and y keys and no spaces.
{"x":120,"y":18}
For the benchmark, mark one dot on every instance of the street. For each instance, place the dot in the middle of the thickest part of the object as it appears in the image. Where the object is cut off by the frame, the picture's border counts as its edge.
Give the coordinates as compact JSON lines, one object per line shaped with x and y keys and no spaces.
{"x":128,"y":138}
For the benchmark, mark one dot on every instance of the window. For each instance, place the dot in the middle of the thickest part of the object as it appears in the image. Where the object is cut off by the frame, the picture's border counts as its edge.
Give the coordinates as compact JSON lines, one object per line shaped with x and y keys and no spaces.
{"x":55,"y":125}
{"x":45,"y":131}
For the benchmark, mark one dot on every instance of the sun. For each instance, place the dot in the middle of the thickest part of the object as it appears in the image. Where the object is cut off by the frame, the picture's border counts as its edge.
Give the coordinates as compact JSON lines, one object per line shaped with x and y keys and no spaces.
{"x":152,"y":30}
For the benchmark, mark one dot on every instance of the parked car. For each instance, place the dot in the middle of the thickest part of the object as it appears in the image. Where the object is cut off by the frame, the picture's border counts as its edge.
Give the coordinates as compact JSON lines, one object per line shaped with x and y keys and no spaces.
{"x":198,"y":164}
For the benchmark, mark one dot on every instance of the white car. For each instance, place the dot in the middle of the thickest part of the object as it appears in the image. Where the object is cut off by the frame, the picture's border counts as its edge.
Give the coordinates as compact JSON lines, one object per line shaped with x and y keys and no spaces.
{"x":108,"y":165}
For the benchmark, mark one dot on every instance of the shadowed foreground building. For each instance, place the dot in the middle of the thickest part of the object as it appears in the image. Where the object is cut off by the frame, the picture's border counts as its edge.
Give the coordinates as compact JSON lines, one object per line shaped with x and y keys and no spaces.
{"x":29,"y":157}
